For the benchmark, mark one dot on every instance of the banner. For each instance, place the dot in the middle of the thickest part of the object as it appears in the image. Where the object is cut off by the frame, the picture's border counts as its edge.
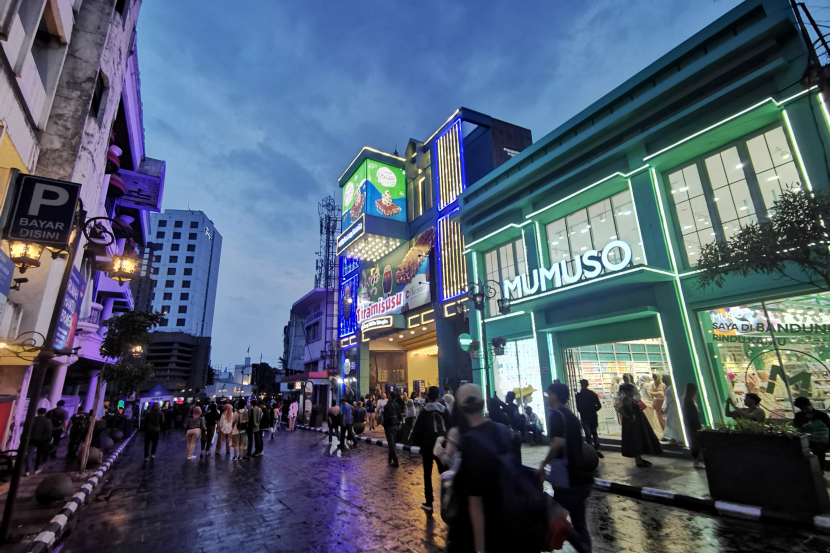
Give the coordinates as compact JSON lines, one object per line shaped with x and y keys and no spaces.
{"x":376,"y":189}
{"x":68,"y":321}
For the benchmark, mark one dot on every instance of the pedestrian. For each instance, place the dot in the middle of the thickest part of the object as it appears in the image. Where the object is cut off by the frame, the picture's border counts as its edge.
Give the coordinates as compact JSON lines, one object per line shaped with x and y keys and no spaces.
{"x":360,"y":416}
{"x":333,"y":418}
{"x":194,"y":427}
{"x":517,"y":420}
{"x":370,"y":413}
{"x":224,"y":429}
{"x":752,"y":411}
{"x":692,"y":420}
{"x":448,"y":401}
{"x":431,"y":424}
{"x":588,"y":405}
{"x":254,"y":433}
{"x":391,"y":426}
{"x":78,"y":428}
{"x":638,"y":437}
{"x":673,"y":432}
{"x":572,"y":493}
{"x":476,"y":524}
{"x":409,"y":420}
{"x":58,"y":416}
{"x":274,"y":417}
{"x":154,"y":421}
{"x":211,"y":418}
{"x":534,"y":425}
{"x":128,"y":420}
{"x":292,"y":415}
{"x":814,"y":423}
{"x":39,"y":441}
{"x":381,"y":405}
{"x":264,"y":424}
{"x":346,"y":427}
{"x":240,"y":425}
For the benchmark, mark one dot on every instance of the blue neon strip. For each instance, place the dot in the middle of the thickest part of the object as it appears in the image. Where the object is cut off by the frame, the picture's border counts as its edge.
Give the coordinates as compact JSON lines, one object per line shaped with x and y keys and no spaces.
{"x":439,"y":256}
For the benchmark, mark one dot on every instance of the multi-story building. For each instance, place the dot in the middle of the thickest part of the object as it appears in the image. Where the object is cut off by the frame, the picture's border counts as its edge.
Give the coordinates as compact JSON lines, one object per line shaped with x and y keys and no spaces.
{"x":232,"y":382}
{"x":402,"y":268}
{"x":70,"y":109}
{"x":595,"y":231}
{"x":185,"y":272}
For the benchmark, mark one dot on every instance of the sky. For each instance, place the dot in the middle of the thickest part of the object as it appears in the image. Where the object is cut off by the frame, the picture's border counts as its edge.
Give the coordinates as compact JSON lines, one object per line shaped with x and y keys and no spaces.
{"x":258,"y":106}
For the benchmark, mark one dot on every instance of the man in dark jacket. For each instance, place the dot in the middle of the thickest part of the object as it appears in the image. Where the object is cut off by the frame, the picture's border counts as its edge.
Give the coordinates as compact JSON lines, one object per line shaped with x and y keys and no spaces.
{"x":58,"y":416}
{"x":39,"y":441}
{"x":432,"y":423}
{"x":588,"y":404}
{"x":391,"y":426}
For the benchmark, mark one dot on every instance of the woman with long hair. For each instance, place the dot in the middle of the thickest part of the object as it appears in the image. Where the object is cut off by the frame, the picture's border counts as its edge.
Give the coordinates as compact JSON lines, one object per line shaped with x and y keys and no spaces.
{"x":194,"y":426}
{"x":211,"y":419}
{"x":638,"y":436}
{"x":240,"y":426}
{"x":224,"y":429}
{"x":692,"y":420}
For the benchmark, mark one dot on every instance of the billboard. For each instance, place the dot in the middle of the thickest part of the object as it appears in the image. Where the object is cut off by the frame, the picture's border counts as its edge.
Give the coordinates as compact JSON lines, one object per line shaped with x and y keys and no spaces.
{"x":375,"y":188}
{"x":397,"y":282}
{"x":68,"y":321}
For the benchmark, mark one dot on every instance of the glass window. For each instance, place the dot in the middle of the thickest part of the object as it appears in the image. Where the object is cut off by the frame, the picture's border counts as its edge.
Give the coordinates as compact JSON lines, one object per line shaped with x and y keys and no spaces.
{"x":179,"y":322}
{"x":182,"y":309}
{"x":154,"y":271}
{"x":692,"y":211}
{"x":177,"y":235}
{"x":774,"y":166}
{"x":188,"y":259}
{"x":168,"y":295}
{"x":159,"y":234}
{"x":558,"y":243}
{"x":194,"y":224}
{"x":168,"y":283}
{"x":185,"y":284}
{"x":174,"y":258}
{"x":171,"y":271}
{"x":191,"y":236}
{"x":162,"y":224}
{"x":185,"y":296}
{"x":731,"y":192}
{"x":188,"y":272}
{"x":627,"y":230}
{"x":191,"y":247}
{"x":174,"y":247}
{"x":165,"y":309}
{"x":504,"y":263}
{"x":177,"y":224}
{"x":163,"y":322}
{"x":156,"y":259}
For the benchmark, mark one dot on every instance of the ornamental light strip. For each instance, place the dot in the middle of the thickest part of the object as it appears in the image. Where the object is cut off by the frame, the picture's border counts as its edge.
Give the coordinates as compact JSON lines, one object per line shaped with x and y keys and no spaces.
{"x":797,"y":151}
{"x":673,"y":378}
{"x":637,"y":220}
{"x":824,"y":109}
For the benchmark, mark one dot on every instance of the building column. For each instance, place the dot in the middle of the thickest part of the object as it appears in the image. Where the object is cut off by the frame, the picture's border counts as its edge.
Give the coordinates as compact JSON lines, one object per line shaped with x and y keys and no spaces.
{"x":106,"y":313}
{"x":100,"y":411}
{"x":363,"y":369}
{"x":448,"y":350}
{"x":90,"y":394}
{"x":58,"y":379}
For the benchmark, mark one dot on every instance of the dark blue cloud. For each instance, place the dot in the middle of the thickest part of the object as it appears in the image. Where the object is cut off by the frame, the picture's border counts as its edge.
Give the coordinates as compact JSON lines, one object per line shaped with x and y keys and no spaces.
{"x":259,"y":106}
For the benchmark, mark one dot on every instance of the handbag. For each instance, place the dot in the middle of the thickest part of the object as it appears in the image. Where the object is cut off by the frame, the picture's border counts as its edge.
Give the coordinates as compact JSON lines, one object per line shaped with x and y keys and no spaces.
{"x":642,"y":405}
{"x":557,"y":474}
{"x":559,"y":526}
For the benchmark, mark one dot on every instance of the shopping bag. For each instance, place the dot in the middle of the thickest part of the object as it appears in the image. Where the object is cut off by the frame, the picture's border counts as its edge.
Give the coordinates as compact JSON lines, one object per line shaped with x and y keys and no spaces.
{"x":559,"y":526}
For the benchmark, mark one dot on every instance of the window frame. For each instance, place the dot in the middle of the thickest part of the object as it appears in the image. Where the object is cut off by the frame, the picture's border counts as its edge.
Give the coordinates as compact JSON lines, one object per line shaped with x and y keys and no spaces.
{"x":492,"y":303}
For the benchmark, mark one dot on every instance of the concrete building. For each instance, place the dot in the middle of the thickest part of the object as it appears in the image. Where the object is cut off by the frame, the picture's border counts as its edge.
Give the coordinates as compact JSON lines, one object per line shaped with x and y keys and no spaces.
{"x":70,"y":109}
{"x":185,"y":272}
{"x":181,"y":362}
{"x":231,"y":383}
{"x":594,"y":232}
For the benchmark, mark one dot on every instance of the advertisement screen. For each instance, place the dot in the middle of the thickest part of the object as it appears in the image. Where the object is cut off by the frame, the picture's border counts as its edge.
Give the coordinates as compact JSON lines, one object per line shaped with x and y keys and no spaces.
{"x":399,"y":281}
{"x":377,"y":189}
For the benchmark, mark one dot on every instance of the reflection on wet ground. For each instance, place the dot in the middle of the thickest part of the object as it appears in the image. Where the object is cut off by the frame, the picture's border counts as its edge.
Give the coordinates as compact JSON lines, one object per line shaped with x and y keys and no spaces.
{"x":306,"y":496}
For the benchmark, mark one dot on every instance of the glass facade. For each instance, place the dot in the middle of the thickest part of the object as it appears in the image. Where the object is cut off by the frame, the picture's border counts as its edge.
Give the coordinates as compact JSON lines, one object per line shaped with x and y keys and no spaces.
{"x":504,"y":263}
{"x":518,"y":370}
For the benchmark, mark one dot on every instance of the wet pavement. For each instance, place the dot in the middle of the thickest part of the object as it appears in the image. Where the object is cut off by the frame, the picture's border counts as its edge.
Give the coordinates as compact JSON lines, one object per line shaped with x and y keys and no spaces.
{"x":303,"y":497}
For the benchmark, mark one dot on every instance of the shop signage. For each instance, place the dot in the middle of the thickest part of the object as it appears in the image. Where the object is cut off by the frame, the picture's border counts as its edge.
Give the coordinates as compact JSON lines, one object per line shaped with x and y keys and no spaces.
{"x":464,"y":341}
{"x":314,"y":316}
{"x":68,"y":321}
{"x":347,"y":367}
{"x":376,"y":323}
{"x":376,"y":189}
{"x":43,"y":211}
{"x":349,"y":235}
{"x":587,"y":265}
{"x":309,"y":387}
{"x":392,"y":304}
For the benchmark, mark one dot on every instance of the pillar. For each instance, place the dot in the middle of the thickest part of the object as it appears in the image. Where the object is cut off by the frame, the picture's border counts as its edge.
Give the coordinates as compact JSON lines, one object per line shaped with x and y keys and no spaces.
{"x":106,"y":313}
{"x":58,"y":378}
{"x":100,"y":411}
{"x":448,"y":350}
{"x":90,"y":394}
{"x":363,"y":370}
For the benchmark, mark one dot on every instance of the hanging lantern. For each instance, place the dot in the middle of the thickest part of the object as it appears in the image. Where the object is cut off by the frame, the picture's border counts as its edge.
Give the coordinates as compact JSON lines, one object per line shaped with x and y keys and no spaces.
{"x":25,"y":254}
{"x":124,"y":266}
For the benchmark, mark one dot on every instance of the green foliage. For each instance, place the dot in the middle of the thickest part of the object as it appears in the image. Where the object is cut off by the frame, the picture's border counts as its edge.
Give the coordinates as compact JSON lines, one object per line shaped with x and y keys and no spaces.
{"x":794,"y":234}
{"x":127,"y":331}
{"x":129,"y":375}
{"x":211,"y":377}
{"x":768,"y":428}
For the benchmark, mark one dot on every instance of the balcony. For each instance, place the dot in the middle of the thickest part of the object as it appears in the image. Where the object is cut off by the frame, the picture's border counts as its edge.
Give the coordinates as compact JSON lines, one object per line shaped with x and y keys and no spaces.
{"x":91,"y":323}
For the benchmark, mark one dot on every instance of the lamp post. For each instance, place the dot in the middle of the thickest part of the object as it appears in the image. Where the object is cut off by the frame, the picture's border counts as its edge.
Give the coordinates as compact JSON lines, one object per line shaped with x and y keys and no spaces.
{"x":479,"y":292}
{"x":27,"y":254}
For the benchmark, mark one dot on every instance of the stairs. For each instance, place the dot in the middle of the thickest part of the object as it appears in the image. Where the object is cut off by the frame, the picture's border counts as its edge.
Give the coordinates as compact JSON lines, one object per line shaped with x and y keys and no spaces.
{"x":615,"y":445}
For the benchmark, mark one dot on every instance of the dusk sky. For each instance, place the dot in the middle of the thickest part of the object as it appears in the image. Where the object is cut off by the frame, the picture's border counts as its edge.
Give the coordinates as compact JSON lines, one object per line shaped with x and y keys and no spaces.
{"x":259,"y":106}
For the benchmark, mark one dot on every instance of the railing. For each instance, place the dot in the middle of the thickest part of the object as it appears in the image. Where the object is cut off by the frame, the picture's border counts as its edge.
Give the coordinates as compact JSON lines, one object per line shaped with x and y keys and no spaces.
{"x":94,"y":315}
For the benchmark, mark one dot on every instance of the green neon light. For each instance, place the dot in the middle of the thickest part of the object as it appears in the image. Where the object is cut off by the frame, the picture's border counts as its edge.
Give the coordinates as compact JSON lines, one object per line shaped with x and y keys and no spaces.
{"x":491,"y":319}
{"x":495,"y":232}
{"x":663,"y":219}
{"x":673,"y":379}
{"x":536,"y":343}
{"x":480,"y":333}
{"x":539,"y":243}
{"x":552,"y":357}
{"x":524,"y":247}
{"x":637,"y":220}
{"x":797,"y":151}
{"x":824,"y":109}
{"x":730,"y":118}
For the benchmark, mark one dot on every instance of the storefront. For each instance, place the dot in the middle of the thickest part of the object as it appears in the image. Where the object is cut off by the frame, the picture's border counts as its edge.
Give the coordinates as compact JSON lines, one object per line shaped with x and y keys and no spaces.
{"x":593,"y":236}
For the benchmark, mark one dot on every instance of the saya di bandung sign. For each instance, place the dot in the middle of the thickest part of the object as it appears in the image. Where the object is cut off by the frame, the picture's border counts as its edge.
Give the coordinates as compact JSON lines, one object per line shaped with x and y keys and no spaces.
{"x":587,"y":265}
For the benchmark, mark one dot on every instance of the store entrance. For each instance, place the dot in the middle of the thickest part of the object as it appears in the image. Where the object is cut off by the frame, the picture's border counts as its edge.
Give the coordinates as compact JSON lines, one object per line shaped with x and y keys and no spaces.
{"x":644,"y":362}
{"x":404,"y":361}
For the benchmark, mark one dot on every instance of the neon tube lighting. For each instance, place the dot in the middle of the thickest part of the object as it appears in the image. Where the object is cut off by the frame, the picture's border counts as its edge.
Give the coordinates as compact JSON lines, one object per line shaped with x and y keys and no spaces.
{"x":730,"y":118}
{"x":491,"y":319}
{"x":673,"y":378}
{"x":456,"y":112}
{"x":495,"y":232}
{"x":797,"y":151}
{"x":824,"y":109}
{"x":539,"y":242}
{"x":637,"y":221}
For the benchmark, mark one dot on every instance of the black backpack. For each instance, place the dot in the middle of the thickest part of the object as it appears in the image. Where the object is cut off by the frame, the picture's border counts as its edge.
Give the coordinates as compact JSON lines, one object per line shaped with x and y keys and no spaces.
{"x":429,"y":426}
{"x":391,"y":415}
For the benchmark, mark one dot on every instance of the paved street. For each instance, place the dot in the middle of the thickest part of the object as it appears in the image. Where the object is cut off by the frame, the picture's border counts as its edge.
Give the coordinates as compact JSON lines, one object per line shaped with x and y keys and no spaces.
{"x":301,"y":497}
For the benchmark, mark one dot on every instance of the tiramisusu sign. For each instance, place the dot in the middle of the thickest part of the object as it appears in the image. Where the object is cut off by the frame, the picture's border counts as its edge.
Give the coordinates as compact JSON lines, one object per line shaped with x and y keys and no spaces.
{"x":587,"y":265}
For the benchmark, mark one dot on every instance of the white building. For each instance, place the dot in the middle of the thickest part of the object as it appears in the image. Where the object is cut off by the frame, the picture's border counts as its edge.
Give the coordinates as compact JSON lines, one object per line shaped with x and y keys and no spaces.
{"x":232,"y":383}
{"x":186,"y":270}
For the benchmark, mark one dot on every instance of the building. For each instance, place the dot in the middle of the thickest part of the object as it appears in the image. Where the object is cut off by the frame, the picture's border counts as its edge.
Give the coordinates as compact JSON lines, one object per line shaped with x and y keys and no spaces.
{"x":185,"y":270}
{"x":594,"y":231}
{"x":402,"y":268}
{"x":231,"y":383}
{"x":71,"y":110}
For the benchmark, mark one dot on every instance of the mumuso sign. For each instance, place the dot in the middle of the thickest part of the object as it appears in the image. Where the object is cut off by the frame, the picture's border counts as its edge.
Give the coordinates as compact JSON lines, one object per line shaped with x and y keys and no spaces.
{"x":43,"y":211}
{"x":587,"y":265}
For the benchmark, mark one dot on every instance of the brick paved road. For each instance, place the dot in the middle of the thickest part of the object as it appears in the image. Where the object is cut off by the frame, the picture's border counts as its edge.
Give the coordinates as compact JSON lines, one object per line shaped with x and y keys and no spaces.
{"x":299,"y":497}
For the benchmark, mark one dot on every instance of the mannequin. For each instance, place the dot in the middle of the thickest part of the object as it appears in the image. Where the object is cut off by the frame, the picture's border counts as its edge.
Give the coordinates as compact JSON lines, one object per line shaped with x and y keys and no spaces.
{"x":657,"y":390}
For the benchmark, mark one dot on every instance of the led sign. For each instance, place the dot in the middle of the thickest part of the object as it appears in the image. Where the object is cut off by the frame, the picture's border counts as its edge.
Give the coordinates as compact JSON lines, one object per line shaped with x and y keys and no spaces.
{"x":588,"y":265}
{"x":391,"y":304}
{"x":376,"y":323}
{"x":349,"y":235}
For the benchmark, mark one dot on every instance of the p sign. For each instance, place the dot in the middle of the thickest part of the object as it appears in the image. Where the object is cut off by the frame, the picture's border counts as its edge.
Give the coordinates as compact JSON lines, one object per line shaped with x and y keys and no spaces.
{"x":43,"y":211}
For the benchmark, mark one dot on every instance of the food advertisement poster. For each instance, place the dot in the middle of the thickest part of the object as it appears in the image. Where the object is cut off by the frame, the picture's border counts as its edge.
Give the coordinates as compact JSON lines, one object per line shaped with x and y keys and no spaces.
{"x":377,"y":189}
{"x":398,"y":282}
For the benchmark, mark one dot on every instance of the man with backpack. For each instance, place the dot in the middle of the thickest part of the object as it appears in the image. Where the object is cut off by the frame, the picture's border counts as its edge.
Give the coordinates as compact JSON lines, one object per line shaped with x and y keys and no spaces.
{"x":58,"y":416}
{"x":391,"y":426}
{"x":571,"y":483}
{"x":432,"y":423}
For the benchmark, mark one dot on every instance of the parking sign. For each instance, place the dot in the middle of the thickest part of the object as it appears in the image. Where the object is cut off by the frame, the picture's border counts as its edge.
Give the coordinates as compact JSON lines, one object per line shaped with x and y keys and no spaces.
{"x":43,"y":211}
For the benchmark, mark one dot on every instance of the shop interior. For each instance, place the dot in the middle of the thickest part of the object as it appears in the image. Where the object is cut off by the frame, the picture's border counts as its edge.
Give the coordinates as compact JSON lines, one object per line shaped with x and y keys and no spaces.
{"x":742,"y":350}
{"x":404,"y":360}
{"x":517,"y":370}
{"x":603,"y":366}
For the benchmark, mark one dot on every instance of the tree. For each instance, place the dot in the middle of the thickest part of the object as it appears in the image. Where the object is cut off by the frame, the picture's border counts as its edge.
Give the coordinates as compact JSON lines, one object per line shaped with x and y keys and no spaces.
{"x":127,"y":335}
{"x":211,"y":377}
{"x":794,"y":234}
{"x":264,"y":378}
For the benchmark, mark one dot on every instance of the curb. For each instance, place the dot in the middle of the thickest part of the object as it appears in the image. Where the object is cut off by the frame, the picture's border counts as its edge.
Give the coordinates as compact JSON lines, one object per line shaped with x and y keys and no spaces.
{"x":711,"y":506}
{"x":690,"y":502}
{"x":48,"y":536}
{"x":323,"y":430}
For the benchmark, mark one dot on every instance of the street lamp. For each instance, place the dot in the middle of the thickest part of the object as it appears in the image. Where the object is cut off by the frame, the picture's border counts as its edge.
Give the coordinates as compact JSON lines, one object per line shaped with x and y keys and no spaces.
{"x":137,"y":350}
{"x":25,"y":254}
{"x":124,"y":266}
{"x":482,"y":291}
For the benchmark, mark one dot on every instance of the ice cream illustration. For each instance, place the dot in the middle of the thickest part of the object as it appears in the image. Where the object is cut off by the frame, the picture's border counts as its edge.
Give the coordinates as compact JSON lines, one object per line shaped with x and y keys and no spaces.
{"x":386,"y":206}
{"x":387,"y":280}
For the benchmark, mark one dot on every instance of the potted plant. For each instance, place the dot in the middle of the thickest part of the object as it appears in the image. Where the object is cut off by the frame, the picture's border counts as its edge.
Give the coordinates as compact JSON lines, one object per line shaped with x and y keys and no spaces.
{"x":474,"y":349}
{"x":763,"y":464}
{"x":498,"y":345}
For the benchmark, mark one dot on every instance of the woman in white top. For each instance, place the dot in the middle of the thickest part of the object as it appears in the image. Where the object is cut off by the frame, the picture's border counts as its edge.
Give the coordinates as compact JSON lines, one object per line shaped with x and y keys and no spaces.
{"x":225,"y":429}
{"x":292,"y":414}
{"x":240,"y":423}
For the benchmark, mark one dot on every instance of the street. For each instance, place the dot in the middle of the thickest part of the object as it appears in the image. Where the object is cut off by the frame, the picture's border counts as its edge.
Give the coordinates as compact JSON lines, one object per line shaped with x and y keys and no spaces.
{"x":301,"y":497}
